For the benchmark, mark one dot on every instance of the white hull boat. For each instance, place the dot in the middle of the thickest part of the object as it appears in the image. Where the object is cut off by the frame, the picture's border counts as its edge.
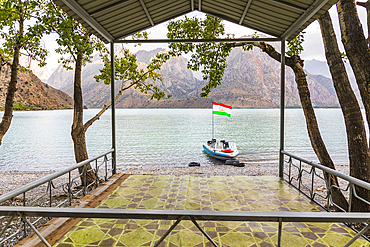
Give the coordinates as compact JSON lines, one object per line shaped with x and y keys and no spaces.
{"x":221,"y":150}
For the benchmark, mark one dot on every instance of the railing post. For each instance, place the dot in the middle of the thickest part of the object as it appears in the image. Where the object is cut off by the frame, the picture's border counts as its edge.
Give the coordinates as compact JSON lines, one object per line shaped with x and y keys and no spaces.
{"x":312,"y":181}
{"x":96,"y":173}
{"x":113,"y":108}
{"x":106,"y":168}
{"x":290,"y":169}
{"x":282,"y":108}
{"x":84,"y":174}
{"x":351,"y":188}
{"x":24,"y":223}
{"x":329,"y":193}
{"x":280,"y":228}
{"x":300,"y":175}
{"x":69,"y":188}
{"x":50,"y":194}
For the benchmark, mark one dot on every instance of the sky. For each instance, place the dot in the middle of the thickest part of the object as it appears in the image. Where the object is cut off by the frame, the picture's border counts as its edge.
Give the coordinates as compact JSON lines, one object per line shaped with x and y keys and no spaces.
{"x":313,"y":45}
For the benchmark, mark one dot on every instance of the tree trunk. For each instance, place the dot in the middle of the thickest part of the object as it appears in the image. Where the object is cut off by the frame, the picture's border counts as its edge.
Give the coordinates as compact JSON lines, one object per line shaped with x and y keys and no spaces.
{"x":356,"y":135}
{"x":358,"y":54}
{"x":78,"y":130}
{"x":366,"y":5}
{"x":313,"y":129}
{"x":317,"y":143}
{"x":12,"y":88}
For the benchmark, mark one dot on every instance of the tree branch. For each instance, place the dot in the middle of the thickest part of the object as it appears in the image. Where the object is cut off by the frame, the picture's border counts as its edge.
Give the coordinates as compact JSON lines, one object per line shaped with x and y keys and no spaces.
{"x":98,"y":115}
{"x":267,"y":48}
{"x":363,"y":4}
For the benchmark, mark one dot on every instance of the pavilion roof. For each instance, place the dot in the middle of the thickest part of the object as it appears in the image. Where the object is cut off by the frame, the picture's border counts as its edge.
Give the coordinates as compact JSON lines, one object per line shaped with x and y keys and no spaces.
{"x":111,"y":20}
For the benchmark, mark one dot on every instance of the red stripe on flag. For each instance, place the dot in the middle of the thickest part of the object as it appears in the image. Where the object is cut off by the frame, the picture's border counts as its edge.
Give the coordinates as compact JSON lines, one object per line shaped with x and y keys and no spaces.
{"x":226,"y":106}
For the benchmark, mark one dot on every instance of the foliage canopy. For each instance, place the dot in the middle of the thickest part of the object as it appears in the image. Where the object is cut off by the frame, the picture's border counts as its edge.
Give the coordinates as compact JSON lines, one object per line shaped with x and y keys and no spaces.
{"x":209,"y":58}
{"x":14,"y":14}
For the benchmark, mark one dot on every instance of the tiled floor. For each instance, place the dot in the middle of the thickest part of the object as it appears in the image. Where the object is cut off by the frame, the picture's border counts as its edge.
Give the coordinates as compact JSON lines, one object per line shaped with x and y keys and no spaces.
{"x":206,"y":193}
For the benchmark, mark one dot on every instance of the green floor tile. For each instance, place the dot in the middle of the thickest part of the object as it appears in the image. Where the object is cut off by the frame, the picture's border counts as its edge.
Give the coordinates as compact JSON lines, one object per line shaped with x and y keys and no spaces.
{"x":218,"y":193}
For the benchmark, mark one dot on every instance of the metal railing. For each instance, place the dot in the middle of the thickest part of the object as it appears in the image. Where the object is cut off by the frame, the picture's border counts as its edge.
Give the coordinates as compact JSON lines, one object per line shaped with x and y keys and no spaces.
{"x":60,"y":189}
{"x":192,"y":215}
{"x":309,"y":179}
{"x":299,"y":167}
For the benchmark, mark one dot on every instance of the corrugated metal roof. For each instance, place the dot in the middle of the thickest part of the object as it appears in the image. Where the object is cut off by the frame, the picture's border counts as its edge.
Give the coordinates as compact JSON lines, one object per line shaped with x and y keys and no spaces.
{"x":114,"y":19}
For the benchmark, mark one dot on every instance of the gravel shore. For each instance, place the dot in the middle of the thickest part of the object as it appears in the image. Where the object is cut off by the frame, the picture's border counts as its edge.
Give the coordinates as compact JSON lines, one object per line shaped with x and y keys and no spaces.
{"x":12,"y":180}
{"x":15,"y":179}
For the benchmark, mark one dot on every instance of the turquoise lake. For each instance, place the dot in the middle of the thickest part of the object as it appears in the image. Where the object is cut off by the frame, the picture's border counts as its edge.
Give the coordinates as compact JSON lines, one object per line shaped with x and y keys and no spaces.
{"x":41,"y":140}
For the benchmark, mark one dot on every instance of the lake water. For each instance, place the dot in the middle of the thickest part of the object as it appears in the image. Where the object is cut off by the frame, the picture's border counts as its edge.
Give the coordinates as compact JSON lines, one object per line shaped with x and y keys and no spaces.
{"x":41,"y":140}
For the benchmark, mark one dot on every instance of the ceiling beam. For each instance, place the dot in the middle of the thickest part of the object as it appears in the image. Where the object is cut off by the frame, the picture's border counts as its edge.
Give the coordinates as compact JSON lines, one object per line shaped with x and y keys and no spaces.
{"x":76,"y":8}
{"x":197,"y":40}
{"x":311,"y":11}
{"x":245,"y":12}
{"x":147,"y":12}
{"x":289,"y":5}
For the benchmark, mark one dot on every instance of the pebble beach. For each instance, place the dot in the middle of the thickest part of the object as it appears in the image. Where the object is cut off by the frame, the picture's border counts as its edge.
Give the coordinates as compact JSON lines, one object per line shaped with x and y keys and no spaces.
{"x":11,"y":180}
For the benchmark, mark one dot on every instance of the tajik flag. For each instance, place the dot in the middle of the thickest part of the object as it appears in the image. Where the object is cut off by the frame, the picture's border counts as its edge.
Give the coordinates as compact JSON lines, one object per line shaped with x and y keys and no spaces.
{"x":221,"y":109}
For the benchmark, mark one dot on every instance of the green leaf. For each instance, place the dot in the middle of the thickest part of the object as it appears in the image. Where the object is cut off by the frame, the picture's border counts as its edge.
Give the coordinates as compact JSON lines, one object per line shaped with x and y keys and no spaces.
{"x":295,"y":45}
{"x":19,"y":27}
{"x":127,"y":71}
{"x":209,"y":58}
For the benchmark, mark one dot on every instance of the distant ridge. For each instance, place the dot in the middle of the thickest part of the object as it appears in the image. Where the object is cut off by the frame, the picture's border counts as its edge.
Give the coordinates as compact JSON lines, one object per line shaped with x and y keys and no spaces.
{"x":251,"y":80}
{"x":317,"y":67}
{"x":32,"y":93}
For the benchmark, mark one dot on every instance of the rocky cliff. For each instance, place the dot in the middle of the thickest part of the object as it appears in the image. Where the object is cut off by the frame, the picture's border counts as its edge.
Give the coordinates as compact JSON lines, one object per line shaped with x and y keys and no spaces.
{"x":321,"y":68}
{"x":43,"y":73}
{"x":251,"y":80}
{"x":32,"y":93}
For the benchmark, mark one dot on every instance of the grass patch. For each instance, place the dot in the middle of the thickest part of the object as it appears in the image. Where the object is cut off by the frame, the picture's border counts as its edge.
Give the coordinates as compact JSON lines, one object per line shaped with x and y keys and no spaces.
{"x":21,"y":107}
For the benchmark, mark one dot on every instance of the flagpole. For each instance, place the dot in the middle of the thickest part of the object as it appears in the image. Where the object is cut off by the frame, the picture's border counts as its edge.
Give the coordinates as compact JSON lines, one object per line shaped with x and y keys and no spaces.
{"x":219,"y":109}
{"x":213,"y":124}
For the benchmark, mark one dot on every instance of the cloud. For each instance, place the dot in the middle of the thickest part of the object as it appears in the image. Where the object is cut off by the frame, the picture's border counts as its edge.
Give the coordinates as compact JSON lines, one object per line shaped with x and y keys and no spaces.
{"x":314,"y":46}
{"x":50,"y":44}
{"x":238,"y":30}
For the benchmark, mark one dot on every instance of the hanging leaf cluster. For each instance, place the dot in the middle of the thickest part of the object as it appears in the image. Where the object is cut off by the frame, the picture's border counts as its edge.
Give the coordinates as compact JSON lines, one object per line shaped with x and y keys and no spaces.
{"x":295,"y":45}
{"x":18,"y":27}
{"x":73,"y":38}
{"x":209,"y":58}
{"x":129,"y":73}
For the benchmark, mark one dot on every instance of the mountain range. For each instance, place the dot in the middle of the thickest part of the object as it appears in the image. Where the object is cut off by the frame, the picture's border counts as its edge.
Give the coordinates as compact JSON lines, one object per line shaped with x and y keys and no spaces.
{"x":251,"y":80}
{"x":32,"y":93}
